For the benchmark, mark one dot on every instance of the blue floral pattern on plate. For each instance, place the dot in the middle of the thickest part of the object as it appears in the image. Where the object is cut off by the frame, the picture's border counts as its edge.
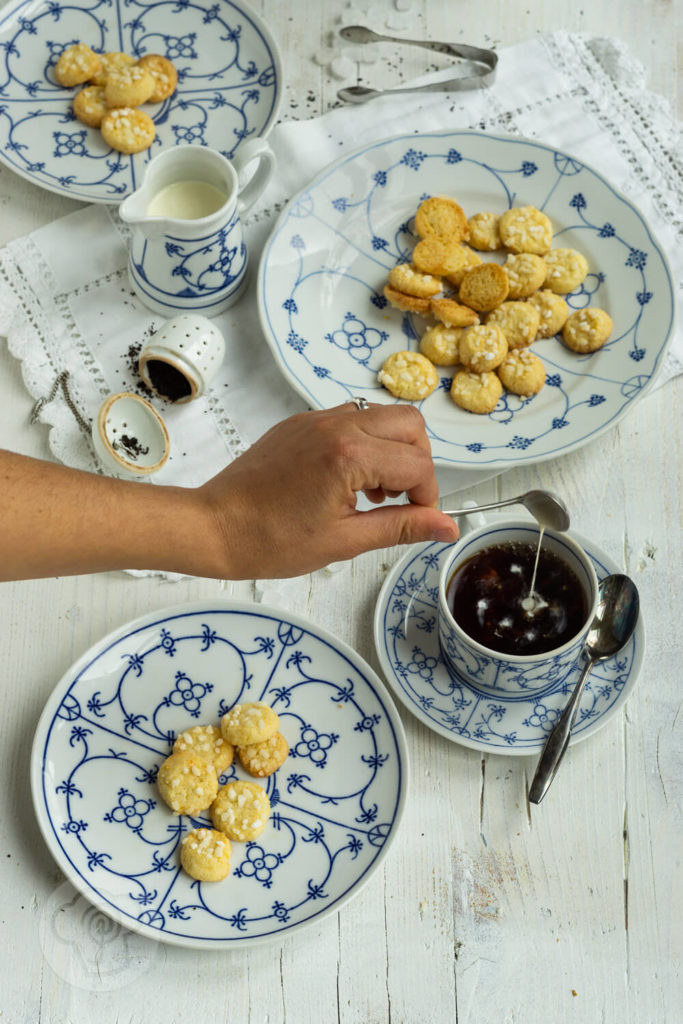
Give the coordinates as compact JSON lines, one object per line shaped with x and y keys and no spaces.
{"x":330,"y":327}
{"x":336,"y":802}
{"x":229,"y":86}
{"x":407,"y":644}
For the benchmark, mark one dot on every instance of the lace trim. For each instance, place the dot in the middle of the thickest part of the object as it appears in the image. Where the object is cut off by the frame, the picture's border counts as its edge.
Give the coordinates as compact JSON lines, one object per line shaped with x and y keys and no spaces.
{"x":234,"y":441}
{"x":26,"y":326}
{"x":641,"y":123}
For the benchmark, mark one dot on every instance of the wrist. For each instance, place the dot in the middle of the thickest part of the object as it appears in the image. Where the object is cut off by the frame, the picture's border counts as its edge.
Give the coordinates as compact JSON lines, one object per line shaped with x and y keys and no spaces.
{"x":184,"y":535}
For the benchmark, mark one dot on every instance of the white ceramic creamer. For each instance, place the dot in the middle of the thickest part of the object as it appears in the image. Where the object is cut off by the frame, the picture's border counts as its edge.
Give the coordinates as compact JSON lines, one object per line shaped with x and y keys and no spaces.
{"x":187,"y":251}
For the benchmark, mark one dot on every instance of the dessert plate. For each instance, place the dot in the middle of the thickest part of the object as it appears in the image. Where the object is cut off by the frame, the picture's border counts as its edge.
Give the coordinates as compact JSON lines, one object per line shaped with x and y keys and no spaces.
{"x":336,"y":801}
{"x":408,"y":648}
{"x":229,"y":86}
{"x":330,"y":327}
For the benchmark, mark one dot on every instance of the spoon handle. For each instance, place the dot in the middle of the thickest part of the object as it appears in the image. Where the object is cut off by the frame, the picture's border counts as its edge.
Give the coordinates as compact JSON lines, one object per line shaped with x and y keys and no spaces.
{"x":484,"y":508}
{"x":558,"y":741}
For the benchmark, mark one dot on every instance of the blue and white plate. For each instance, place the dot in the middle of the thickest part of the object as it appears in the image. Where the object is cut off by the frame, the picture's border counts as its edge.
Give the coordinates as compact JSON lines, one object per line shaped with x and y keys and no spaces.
{"x":336,"y":802}
{"x":229,"y":86}
{"x":408,"y":648}
{"x":330,"y":328}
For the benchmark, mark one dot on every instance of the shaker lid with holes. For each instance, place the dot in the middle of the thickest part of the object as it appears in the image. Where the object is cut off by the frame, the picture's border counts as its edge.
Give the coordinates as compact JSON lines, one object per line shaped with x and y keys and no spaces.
{"x":130,"y":437}
{"x":181,"y":359}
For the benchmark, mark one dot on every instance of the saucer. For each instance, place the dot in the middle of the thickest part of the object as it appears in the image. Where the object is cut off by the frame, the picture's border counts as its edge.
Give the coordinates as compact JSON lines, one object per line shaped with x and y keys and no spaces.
{"x":407,"y":643}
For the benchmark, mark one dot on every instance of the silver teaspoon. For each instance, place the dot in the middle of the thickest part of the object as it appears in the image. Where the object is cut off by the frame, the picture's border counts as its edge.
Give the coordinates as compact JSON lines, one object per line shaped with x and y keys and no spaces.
{"x":547,"y":509}
{"x":614,"y":622}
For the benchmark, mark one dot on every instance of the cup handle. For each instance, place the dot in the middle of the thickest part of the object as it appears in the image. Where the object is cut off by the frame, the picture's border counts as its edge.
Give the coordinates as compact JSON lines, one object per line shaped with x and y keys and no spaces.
{"x":254,"y":149}
{"x":470,"y":522}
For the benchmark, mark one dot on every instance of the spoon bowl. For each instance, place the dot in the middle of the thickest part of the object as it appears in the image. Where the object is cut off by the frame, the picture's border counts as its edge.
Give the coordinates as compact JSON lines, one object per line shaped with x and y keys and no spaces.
{"x":613,"y":624}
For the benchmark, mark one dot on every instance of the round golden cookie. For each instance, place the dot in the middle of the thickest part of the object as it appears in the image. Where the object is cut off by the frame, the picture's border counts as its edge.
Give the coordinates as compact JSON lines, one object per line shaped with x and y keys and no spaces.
{"x":470,"y":259}
{"x":525,"y":229}
{"x":410,"y":281}
{"x":164,"y":74}
{"x":484,"y":287}
{"x":249,"y":723}
{"x":434,"y":255}
{"x":206,"y":741}
{"x":483,"y":348}
{"x":241,"y":810}
{"x":77,"y":64}
{"x":453,"y":314}
{"x":109,"y":62}
{"x":566,"y":269}
{"x":526,"y":273}
{"x":205,"y":854}
{"x":406,"y":303}
{"x":476,"y":392}
{"x":522,"y":372}
{"x":518,"y":321}
{"x":90,"y":105}
{"x":262,"y":759}
{"x":441,"y":344}
{"x":128,"y":86}
{"x":443,"y":217}
{"x":128,"y":130}
{"x":484,"y":233}
{"x":587,"y":330}
{"x":553,"y":312}
{"x":408,"y":375}
{"x":187,"y":783}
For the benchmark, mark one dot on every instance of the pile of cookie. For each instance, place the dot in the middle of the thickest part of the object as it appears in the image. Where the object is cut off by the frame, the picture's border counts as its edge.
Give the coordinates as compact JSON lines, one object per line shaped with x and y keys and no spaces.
{"x":188,"y":783}
{"x":518,"y":301}
{"x":117,"y":84}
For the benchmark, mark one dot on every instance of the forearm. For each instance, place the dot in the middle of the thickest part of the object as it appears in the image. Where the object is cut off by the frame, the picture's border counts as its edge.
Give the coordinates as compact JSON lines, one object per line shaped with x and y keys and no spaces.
{"x":58,"y":521}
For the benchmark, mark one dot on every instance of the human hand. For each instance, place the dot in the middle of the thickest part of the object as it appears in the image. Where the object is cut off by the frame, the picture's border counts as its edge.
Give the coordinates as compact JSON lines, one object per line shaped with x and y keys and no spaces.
{"x":288,"y":505}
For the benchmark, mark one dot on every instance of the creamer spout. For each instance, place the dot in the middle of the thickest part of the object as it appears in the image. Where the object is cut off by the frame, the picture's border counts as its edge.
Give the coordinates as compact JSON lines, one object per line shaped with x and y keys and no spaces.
{"x":133,"y":210}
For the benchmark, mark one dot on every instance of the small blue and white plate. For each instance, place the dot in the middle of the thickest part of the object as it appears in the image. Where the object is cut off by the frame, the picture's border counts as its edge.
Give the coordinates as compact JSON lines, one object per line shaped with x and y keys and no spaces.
{"x":330,"y":327}
{"x":336,"y":802}
{"x":408,"y":648}
{"x":229,"y":86}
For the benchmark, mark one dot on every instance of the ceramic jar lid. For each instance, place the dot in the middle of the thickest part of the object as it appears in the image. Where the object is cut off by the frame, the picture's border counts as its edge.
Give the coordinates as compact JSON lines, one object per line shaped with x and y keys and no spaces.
{"x":130,"y":437}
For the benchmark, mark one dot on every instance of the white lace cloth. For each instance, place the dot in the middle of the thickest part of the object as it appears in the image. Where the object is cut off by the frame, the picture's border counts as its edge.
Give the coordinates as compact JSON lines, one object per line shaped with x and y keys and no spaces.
{"x":65,"y":301}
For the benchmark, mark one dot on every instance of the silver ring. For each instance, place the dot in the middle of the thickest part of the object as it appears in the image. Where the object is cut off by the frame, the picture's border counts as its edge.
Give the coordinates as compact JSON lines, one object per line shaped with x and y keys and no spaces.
{"x":360,"y":403}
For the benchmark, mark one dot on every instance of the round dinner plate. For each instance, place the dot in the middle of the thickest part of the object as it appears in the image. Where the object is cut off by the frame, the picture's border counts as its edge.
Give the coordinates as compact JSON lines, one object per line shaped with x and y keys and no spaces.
{"x":323,"y":271}
{"x":408,"y":649}
{"x":229,"y":86}
{"x":336,"y":801}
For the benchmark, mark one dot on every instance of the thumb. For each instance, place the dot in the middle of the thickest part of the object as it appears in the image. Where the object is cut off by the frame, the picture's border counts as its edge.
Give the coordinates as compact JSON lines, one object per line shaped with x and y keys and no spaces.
{"x":401,"y":524}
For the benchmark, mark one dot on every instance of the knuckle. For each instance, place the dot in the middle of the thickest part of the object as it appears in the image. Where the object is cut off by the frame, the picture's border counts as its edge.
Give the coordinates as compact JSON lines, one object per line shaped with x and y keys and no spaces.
{"x":411,"y":415}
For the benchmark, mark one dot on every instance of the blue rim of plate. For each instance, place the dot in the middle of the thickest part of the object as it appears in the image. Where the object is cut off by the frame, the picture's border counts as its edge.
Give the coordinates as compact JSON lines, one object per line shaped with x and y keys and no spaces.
{"x":206,"y":108}
{"x":593,"y":400}
{"x":406,"y":641}
{"x":66,"y":728}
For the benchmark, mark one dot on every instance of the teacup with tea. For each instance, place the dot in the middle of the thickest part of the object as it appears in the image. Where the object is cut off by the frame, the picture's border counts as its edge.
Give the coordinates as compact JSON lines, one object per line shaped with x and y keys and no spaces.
{"x":514,"y":613}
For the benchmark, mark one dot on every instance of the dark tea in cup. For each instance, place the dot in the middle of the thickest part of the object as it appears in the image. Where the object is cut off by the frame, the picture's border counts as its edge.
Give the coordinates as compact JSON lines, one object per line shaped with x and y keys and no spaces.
{"x":490,"y":597}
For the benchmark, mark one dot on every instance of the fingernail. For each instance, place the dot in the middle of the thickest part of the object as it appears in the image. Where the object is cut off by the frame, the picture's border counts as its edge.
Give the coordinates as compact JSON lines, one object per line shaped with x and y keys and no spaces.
{"x":445,"y":534}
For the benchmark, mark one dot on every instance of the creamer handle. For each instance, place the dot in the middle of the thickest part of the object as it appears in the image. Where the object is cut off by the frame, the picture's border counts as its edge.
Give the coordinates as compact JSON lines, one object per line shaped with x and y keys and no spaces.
{"x":254,"y":149}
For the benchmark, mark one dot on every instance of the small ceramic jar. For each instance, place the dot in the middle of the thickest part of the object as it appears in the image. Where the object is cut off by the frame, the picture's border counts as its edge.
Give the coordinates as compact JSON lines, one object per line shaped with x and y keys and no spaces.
{"x":129,"y":436}
{"x":181,"y":359}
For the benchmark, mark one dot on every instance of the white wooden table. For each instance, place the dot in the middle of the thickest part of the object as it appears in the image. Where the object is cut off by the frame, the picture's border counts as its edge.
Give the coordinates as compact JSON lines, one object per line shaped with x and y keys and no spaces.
{"x":484,"y":911}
